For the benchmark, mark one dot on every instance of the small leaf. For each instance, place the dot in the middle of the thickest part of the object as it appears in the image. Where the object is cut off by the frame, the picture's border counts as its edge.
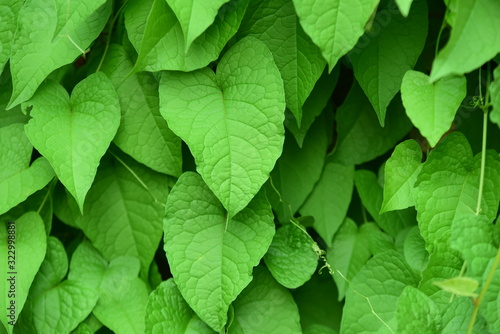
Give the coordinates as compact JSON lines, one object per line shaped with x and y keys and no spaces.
{"x":168,"y":312}
{"x":47,"y":37}
{"x":265,"y":307}
{"x":474,"y":39}
{"x":234,"y":128}
{"x":495,"y":97}
{"x":460,"y":286}
{"x":210,"y":255}
{"x":335,"y":26}
{"x":291,"y":258}
{"x":143,"y":133}
{"x":195,"y":16}
{"x":23,"y":243}
{"x":349,"y":252}
{"x":153,"y":29}
{"x":417,"y":313}
{"x":432,"y":106}
{"x":73,"y":134}
{"x":329,"y":201}
{"x":414,"y":250}
{"x":381,"y":59}
{"x":401,"y":171}
{"x":404,"y":6}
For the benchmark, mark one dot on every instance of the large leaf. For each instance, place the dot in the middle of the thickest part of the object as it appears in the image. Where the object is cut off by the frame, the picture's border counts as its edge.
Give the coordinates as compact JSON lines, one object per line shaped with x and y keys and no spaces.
{"x":360,"y":136}
{"x":348,"y":254}
{"x":23,"y":243}
{"x":299,"y":60}
{"x":123,"y":216}
{"x":167,"y":311}
{"x":73,"y":134}
{"x":372,"y":297}
{"x":234,"y":127}
{"x":297,"y":171}
{"x":50,"y":35}
{"x":291,"y":258}
{"x":211,"y":256}
{"x":8,"y":12}
{"x":329,"y":201}
{"x":448,"y":186}
{"x":153,"y":29}
{"x":265,"y":307}
{"x":381,"y":59}
{"x":54,"y":306}
{"x":335,"y":26}
{"x":474,"y":39}
{"x":195,"y":16}
{"x":432,"y":106}
{"x":143,"y":133}
{"x":371,"y":194}
{"x":417,"y":313}
{"x":18,"y":179}
{"x":401,"y":171}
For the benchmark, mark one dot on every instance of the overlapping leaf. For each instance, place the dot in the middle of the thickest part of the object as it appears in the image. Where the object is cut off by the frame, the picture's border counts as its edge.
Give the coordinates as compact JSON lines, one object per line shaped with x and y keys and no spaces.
{"x":50,"y":35}
{"x":73,"y":134}
{"x":9,"y":10}
{"x":417,"y":313}
{"x":381,"y":59}
{"x":234,"y":126}
{"x":335,"y":26}
{"x":154,"y":30}
{"x":211,"y":256}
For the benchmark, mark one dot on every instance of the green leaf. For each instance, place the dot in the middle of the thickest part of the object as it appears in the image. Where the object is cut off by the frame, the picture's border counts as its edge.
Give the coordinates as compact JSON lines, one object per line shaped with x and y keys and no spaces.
{"x":168,"y":312}
{"x":378,"y":241}
{"x":265,"y":307}
{"x":143,"y":133}
{"x":123,"y":216}
{"x":460,"y":286}
{"x":473,"y":41}
{"x":451,"y":11}
{"x":371,"y":300}
{"x":490,"y":302}
{"x":291,"y":258}
{"x":48,"y":37}
{"x":234,"y":128}
{"x":335,"y":26}
{"x":447,"y":187}
{"x":371,"y":194}
{"x":349,"y":252}
{"x":318,"y":305}
{"x":404,"y":6}
{"x":401,"y":171}
{"x":23,"y":244}
{"x":54,"y":306}
{"x":154,"y":29}
{"x":432,"y":106}
{"x":9,"y":10}
{"x":414,"y":250}
{"x":380,"y":64}
{"x":360,"y":136}
{"x":73,"y":134}
{"x":211,"y":255}
{"x":299,"y":60}
{"x":296,"y":172}
{"x":472,"y":236}
{"x":318,"y":100}
{"x":14,"y":115}
{"x":18,"y":179}
{"x":495,"y":97}
{"x":195,"y":16}
{"x":417,"y":313}
{"x":329,"y":201}
{"x":454,"y":314}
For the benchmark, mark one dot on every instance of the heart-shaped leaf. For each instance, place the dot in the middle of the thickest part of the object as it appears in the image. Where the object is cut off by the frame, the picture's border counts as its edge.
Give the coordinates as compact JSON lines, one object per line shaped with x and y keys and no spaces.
{"x":432,"y":107}
{"x":73,"y":134}
{"x":234,"y":126}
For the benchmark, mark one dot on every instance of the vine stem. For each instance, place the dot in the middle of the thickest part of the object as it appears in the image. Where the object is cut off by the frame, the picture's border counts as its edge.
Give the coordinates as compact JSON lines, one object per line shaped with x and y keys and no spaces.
{"x":483,"y":162}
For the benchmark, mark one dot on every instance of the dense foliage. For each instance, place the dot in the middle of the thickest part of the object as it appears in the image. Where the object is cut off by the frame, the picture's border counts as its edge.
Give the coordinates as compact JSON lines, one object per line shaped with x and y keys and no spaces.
{"x":249,"y":166}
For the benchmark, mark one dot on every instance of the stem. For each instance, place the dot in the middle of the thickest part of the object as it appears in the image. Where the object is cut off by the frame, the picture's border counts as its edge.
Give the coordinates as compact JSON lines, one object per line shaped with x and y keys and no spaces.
{"x":443,"y":24}
{"x":483,"y":162}
{"x":483,"y":292}
{"x":108,"y":40}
